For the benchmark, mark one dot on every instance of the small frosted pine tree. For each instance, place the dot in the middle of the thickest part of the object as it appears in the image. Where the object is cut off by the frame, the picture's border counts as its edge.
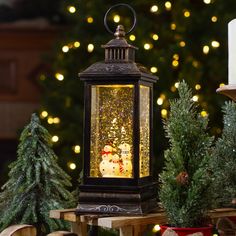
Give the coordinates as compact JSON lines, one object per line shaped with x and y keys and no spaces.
{"x":186,"y":177}
{"x":224,"y":161}
{"x":36,"y":183}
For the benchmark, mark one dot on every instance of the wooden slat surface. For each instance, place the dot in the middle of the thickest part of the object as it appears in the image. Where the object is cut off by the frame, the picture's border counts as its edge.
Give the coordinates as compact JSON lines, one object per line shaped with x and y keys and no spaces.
{"x":19,"y":230}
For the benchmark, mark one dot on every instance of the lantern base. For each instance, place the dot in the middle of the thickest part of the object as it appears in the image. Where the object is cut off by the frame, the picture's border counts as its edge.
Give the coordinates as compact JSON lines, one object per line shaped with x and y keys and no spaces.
{"x":128,"y":202}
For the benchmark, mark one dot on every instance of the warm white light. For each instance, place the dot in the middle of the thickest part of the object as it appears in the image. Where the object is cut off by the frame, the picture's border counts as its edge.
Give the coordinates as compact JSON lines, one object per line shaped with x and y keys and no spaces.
{"x":156,"y":228}
{"x":173,"y":26}
{"x":155,"y":37}
{"x":71,"y":9}
{"x":90,"y":47}
{"x":214,"y":18}
{"x":154,"y":69}
{"x":44,"y":114}
{"x":187,"y":13}
{"x":207,"y":1}
{"x":56,"y":120}
{"x":59,"y":76}
{"x":176,"y":56}
{"x":197,"y":86}
{"x":147,"y":46}
{"x":90,"y":20}
{"x":154,"y":8}
{"x":132,"y":37}
{"x":195,"y":98}
{"x":205,"y":49}
{"x":176,"y":84}
{"x":168,"y":5}
{"x":215,"y":44}
{"x":72,"y":166}
{"x":204,"y":113}
{"x":116,"y":18}
{"x":76,"y":44}
{"x":160,"y":101}
{"x":182,"y":44}
{"x":175,"y":63}
{"x":164,"y":113}
{"x":65,"y":48}
{"x":50,"y":120}
{"x":77,"y":149}
{"x":221,"y":85}
{"x":55,"y":138}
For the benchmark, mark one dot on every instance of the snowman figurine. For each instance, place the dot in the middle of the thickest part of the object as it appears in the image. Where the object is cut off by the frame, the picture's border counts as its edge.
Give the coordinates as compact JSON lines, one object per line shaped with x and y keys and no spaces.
{"x":105,"y":166}
{"x":126,"y":156}
{"x":115,"y":166}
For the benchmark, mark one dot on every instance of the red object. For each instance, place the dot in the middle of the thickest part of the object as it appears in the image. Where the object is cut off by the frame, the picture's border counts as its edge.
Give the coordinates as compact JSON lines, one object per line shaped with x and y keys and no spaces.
{"x":206,"y":231}
{"x":232,"y":218}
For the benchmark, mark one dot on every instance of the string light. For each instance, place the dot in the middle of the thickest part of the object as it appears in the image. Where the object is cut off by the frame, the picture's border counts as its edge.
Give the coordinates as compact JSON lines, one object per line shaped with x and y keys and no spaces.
{"x":59,"y":76}
{"x":154,"y":69}
{"x":55,"y":138}
{"x":50,"y":120}
{"x":173,"y":26}
{"x":197,"y":86}
{"x":215,"y":44}
{"x":147,"y":46}
{"x":65,"y":48}
{"x":164,"y":113}
{"x":72,"y":166}
{"x":154,"y":8}
{"x":182,"y":44}
{"x":207,"y":1}
{"x":221,"y":85}
{"x":76,"y":44}
{"x":175,"y":63}
{"x":195,"y":64}
{"x":42,"y":77}
{"x":187,"y":13}
{"x":176,"y":84}
{"x":168,"y":5}
{"x":204,"y":113}
{"x":132,"y":37}
{"x":156,"y":228}
{"x":160,"y":101}
{"x":76,"y":149}
{"x":116,"y":18}
{"x":173,"y":89}
{"x":90,"y":19}
{"x":163,"y":96}
{"x":214,"y":18}
{"x":195,"y":98}
{"x":155,"y":37}
{"x":71,"y":9}
{"x":205,"y":49}
{"x":56,"y":120}
{"x":90,"y":47}
{"x":44,"y":114}
{"x":176,"y":57}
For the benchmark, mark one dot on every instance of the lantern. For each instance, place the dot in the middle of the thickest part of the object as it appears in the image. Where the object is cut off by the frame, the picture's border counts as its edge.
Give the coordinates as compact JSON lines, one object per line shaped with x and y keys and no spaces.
{"x":117,"y":174}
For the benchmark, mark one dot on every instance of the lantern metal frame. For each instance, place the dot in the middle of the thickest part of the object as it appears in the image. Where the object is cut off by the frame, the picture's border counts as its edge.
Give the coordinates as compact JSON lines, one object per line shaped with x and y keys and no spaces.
{"x":129,"y":196}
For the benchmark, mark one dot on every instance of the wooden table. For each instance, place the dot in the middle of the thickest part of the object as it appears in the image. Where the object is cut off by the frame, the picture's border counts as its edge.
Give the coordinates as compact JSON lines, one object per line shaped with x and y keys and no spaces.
{"x":127,"y":225}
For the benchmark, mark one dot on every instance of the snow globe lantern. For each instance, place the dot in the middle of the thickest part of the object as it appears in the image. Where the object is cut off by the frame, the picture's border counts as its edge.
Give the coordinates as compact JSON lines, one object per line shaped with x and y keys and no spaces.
{"x":117,"y":174}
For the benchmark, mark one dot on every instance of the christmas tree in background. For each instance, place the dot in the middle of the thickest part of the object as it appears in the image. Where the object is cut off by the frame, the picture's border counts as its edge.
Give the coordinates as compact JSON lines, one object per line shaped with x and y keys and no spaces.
{"x":176,"y":40}
{"x":186,"y":178}
{"x":224,"y":165}
{"x":36,"y":183}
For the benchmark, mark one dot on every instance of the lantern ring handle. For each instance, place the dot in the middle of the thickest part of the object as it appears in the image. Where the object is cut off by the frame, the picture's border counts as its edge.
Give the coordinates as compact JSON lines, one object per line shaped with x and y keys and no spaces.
{"x":117,"y":5}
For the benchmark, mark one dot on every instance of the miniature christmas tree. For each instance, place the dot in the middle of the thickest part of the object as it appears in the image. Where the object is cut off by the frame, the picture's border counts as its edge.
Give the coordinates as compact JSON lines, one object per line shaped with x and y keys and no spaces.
{"x":36,"y":183}
{"x":224,"y":165}
{"x":186,"y":177}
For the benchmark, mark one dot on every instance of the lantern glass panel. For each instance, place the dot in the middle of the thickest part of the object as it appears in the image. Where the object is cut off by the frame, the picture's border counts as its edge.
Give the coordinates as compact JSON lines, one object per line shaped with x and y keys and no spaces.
{"x":144,"y":158}
{"x":111,"y":136}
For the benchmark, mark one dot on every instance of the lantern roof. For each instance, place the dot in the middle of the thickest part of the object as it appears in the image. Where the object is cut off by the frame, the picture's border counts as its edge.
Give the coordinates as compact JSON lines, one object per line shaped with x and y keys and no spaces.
{"x":119,"y":61}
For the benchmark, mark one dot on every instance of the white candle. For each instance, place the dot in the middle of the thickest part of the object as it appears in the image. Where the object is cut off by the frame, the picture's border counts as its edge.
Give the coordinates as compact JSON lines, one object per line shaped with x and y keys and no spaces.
{"x":232,"y":52}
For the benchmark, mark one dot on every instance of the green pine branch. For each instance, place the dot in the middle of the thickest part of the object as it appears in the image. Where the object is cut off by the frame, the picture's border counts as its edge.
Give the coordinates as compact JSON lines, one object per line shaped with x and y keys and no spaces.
{"x":186,"y":177}
{"x":36,"y":183}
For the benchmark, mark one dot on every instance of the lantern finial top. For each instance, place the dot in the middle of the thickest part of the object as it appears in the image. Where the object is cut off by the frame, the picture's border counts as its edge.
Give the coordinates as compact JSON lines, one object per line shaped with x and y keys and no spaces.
{"x":120,"y":32}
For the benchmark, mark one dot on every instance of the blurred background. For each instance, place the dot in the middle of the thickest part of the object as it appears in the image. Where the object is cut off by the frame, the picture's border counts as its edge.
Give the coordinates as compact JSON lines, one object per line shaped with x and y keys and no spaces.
{"x":45,"y":44}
